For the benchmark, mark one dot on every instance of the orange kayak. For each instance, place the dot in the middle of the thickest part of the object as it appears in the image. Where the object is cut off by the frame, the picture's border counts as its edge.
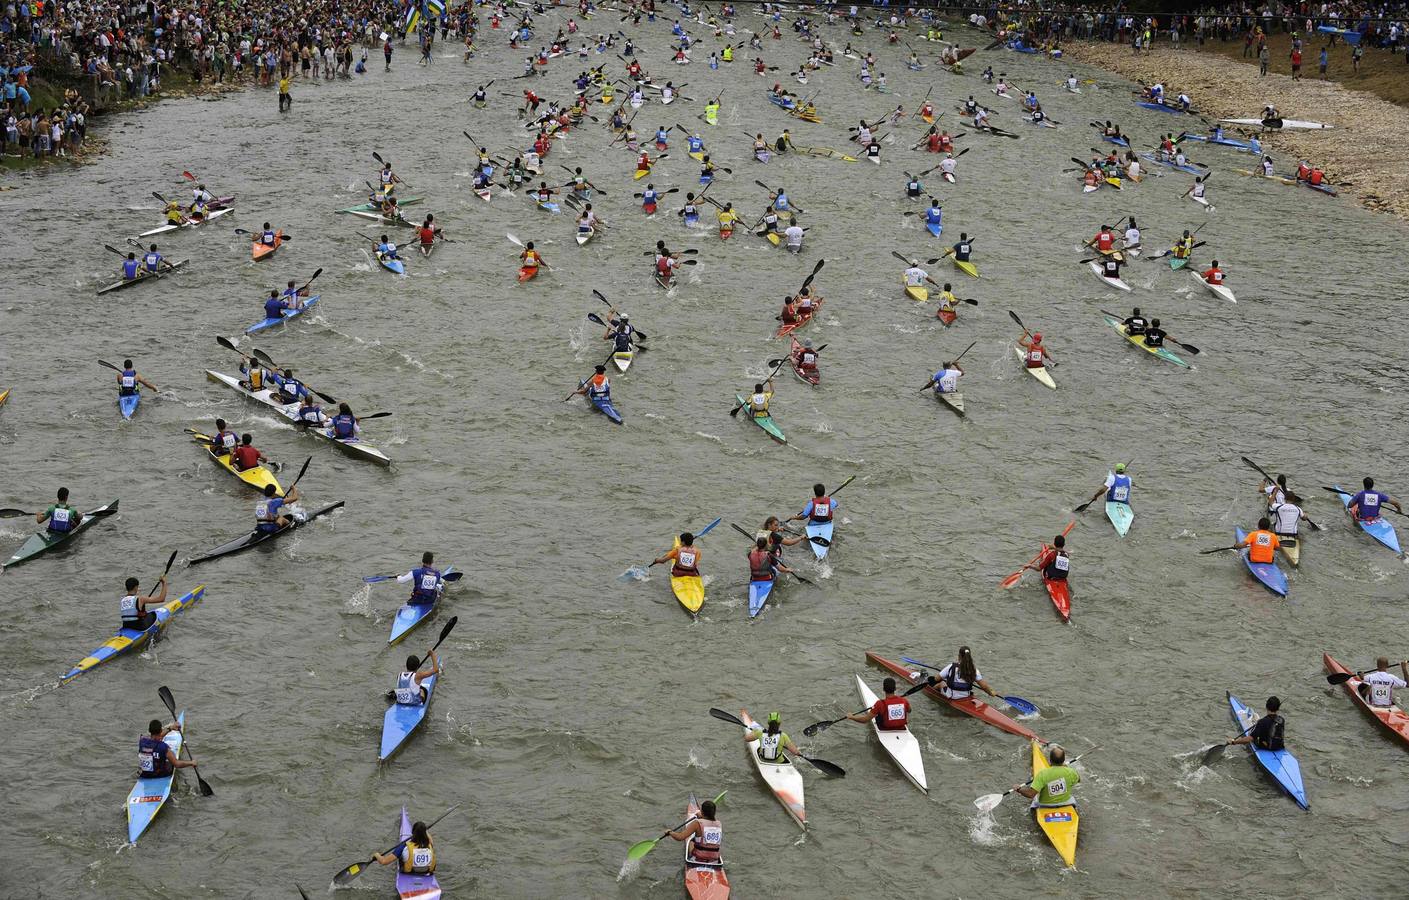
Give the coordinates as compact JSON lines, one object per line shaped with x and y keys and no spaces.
{"x":260,"y":251}
{"x":527,"y":272}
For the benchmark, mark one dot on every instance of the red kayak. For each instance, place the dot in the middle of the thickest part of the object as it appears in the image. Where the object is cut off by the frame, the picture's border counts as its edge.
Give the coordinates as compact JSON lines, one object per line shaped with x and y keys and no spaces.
{"x":802,"y":319}
{"x":650,"y":208}
{"x":527,"y":272}
{"x":812,"y":377}
{"x":970,"y":706}
{"x":1391,"y":717}
{"x":1060,"y":592}
{"x":947,"y":316}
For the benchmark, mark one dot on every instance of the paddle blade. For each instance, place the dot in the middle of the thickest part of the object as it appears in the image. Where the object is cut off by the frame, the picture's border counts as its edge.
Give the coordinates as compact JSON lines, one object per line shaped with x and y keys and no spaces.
{"x":988,"y":802}
{"x":827,"y":768}
{"x":1012,"y":579}
{"x":1026,"y":707}
{"x":206,"y":790}
{"x":1339,"y":677}
{"x":1212,"y":754}
{"x":640,"y":849}
{"x":348,"y":875}
{"x":816,"y":727}
{"x":165,"y":693}
{"x":725,"y":716}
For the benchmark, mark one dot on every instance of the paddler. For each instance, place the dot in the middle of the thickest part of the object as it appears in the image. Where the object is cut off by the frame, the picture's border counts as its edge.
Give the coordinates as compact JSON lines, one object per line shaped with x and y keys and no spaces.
{"x":819,"y":509}
{"x":173,"y":213}
{"x":913,"y":186}
{"x":274,"y":306}
{"x":1268,"y":732}
{"x":62,"y":517}
{"x":946,"y":380}
{"x":598,"y":387}
{"x":1184,"y":247}
{"x":128,"y":381}
{"x":1287,"y":516}
{"x":757,"y":403}
{"x":711,"y":111}
{"x":1365,"y":506}
{"x":1052,"y":786}
{"x":1104,"y":241}
{"x":530,"y":258}
{"x":197,"y":212}
{"x":224,"y":440}
{"x":426,"y":581}
{"x":1154,"y":334}
{"x":267,"y":237}
{"x":934,"y":215}
{"x":727,"y":217}
{"x":665,"y":266}
{"x":417,"y":856}
{"x":245,"y":456}
{"x":694,"y":144}
{"x":685,"y":558}
{"x":621,"y":333}
{"x":1116,"y":487}
{"x":1054,"y":563}
{"x":155,"y":758}
{"x":387,"y":248}
{"x":152,"y":260}
{"x":891,"y":712}
{"x":133,"y":607}
{"x":765,"y":559}
{"x":130,"y":266}
{"x":916,"y":276}
{"x":707,"y":845}
{"x":958,"y":679}
{"x":948,"y":303}
{"x":1378,"y":686}
{"x":1132,"y":236}
{"x":1135,"y":323}
{"x":344,"y":426}
{"x":772,"y":740}
{"x":269,"y":510}
{"x":387,"y":178}
{"x":429,"y":232}
{"x":1262,"y":544}
{"x":662,"y":138}
{"x":962,"y":250}
{"x":409,"y":690}
{"x":309,"y":412}
{"x":1110,"y":265}
{"x":1213,"y":274}
{"x":792,"y":236}
{"x":289,"y":388}
{"x":784,"y":141}
{"x":949,"y":163}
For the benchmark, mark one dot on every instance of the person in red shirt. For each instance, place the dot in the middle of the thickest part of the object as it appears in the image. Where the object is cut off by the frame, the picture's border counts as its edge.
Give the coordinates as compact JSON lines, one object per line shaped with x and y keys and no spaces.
{"x":1104,"y":240}
{"x":245,"y":456}
{"x":644,"y":163}
{"x":428,"y":232}
{"x":1035,"y":355}
{"x":891,"y":712}
{"x":1213,"y":274}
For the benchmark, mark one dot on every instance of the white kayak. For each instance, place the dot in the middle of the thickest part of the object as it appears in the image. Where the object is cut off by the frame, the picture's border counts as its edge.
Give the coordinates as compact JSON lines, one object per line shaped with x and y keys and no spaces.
{"x":782,"y":777}
{"x":902,"y":746}
{"x":1218,"y":290}
{"x":1286,"y":123}
{"x":163,"y":229}
{"x":585,"y":236}
{"x":1113,"y":282}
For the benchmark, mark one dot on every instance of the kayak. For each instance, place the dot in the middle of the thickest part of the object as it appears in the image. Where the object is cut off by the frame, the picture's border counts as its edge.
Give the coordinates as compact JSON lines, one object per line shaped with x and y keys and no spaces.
{"x":1113,"y":282}
{"x":368,"y":207}
{"x":703,"y":881}
{"x":903,"y":747}
{"x":127,"y":404}
{"x":1223,"y":142}
{"x":762,"y":156}
{"x":410,"y":886}
{"x":1391,"y":717}
{"x":401,"y":721}
{"x":946,"y":317}
{"x":1291,"y":549}
{"x":813,"y":378}
{"x":1118,"y":141}
{"x":1221,"y":291}
{"x":1040,"y":372}
{"x":821,"y":530}
{"x":256,"y":478}
{"x":688,"y":589}
{"x":142,"y":275}
{"x":356,"y":446}
{"x":917,"y":292}
{"x":1121,"y":515}
{"x":128,"y":640}
{"x":426,"y":249}
{"x":1280,"y":764}
{"x":412,"y":614}
{"x":44,"y":541}
{"x":1059,"y":823}
{"x":549,"y":206}
{"x":285,"y":315}
{"x":385,"y":219}
{"x":585,"y":236}
{"x":603,"y":405}
{"x":947,"y":176}
{"x":765,"y":422}
{"x":1273,"y":578}
{"x":1278,"y":123}
{"x":391,"y":264}
{"x":641,"y":173}
{"x":1139,"y":341}
{"x":1192,"y":170}
{"x":802,"y":319}
{"x":934,"y":228}
{"x":969,"y":705}
{"x":148,"y":795}
{"x":260,"y":250}
{"x":1379,"y":529}
{"x":782,"y":777}
{"x":527,"y":273}
{"x":954,"y":400}
{"x":4,"y":395}
{"x":966,"y":267}
{"x":1162,"y":107}
{"x":255,"y":538}
{"x":758,"y":595}
{"x":210,"y":216}
{"x":623,"y":359}
{"x":1060,"y":592}
{"x":1178,"y":262}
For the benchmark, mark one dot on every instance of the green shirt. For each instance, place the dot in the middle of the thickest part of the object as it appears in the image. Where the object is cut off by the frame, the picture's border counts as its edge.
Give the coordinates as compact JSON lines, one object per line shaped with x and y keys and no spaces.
{"x":770,"y":750}
{"x":1054,"y":783}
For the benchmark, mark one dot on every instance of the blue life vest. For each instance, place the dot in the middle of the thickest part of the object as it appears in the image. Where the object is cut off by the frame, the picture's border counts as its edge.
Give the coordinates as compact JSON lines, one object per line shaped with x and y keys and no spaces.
{"x":151,"y":757}
{"x":1119,"y":492}
{"x":129,"y":268}
{"x":933,"y":216}
{"x":267,"y":512}
{"x":128,"y":385}
{"x":343,"y":426}
{"x":273,"y":308}
{"x":426,"y":583}
{"x":152,"y":260}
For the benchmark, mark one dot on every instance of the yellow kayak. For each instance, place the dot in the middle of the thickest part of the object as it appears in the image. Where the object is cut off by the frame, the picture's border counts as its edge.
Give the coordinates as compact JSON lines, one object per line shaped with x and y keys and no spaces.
{"x":4,"y":395}
{"x":967,"y":268}
{"x":642,"y":173}
{"x":697,"y":157}
{"x":256,"y":478}
{"x":1059,"y":823}
{"x":916,"y":291}
{"x":689,"y":590}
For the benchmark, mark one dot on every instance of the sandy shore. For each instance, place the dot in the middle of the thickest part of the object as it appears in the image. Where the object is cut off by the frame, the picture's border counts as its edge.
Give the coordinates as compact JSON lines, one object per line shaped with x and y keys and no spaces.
{"x":1366,"y":148}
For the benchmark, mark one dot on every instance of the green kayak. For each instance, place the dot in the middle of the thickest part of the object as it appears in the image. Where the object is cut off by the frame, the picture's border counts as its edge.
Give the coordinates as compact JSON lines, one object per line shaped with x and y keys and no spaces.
{"x":764,"y":422}
{"x":367,"y":207}
{"x":1178,"y":263}
{"x":44,"y":541}
{"x":1161,"y":352}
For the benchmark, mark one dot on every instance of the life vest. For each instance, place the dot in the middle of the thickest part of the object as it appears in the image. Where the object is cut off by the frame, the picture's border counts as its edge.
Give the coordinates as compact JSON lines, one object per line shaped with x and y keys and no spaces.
{"x":598,"y":386}
{"x":954,"y":685}
{"x":686,"y":559}
{"x":1119,"y":491}
{"x":127,"y":608}
{"x":760,"y":565}
{"x":61,"y":519}
{"x":1262,"y":546}
{"x":1035,"y":356}
{"x":425,"y":581}
{"x":408,"y":692}
{"x":892,"y":713}
{"x":417,"y":860}
{"x":1058,"y":566}
{"x":664,"y":266}
{"x":821,"y":507}
{"x":151,"y":757}
{"x":427,"y":234}
{"x":1105,"y":241}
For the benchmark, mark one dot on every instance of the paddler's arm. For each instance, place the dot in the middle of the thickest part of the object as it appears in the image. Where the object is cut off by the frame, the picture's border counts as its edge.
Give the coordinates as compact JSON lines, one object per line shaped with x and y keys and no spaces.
{"x":159,"y":598}
{"x":1099,"y":491}
{"x":144,"y":381}
{"x":386,"y":859}
{"x":684,"y":834}
{"x":434,"y":669}
{"x":1026,"y":790}
{"x":866,"y":716}
{"x":673,"y":554}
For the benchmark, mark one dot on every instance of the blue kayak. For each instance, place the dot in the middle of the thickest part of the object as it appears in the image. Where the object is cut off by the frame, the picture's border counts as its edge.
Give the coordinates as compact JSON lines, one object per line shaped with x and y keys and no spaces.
{"x":934,"y":228}
{"x":1162,"y":107}
{"x":1378,"y":529}
{"x":1118,"y":141}
{"x":603,"y":405}
{"x":758,"y":596}
{"x":284,"y":317}
{"x":706,"y":179}
{"x":1225,"y":142}
{"x":148,"y":795}
{"x":1273,"y":578}
{"x":822,"y":530}
{"x":401,"y":721}
{"x":128,"y":404}
{"x":412,"y":614}
{"x":1280,"y":764}
{"x":1192,"y":170}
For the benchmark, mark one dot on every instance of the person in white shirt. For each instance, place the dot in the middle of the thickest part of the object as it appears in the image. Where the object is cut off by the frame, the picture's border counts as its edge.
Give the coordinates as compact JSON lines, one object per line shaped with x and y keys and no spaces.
{"x":793,"y":234}
{"x":916,"y":276}
{"x":948,"y":164}
{"x":1132,"y":237}
{"x":1286,"y":516}
{"x":1380,"y":684}
{"x":958,"y":679}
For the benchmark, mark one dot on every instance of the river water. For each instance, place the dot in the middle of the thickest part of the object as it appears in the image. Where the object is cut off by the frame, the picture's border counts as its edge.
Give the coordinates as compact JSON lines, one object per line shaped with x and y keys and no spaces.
{"x":572,"y":717}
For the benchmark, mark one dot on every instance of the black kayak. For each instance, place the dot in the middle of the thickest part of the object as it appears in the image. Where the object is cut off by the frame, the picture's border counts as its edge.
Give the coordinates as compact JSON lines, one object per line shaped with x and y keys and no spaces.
{"x":255,"y":538}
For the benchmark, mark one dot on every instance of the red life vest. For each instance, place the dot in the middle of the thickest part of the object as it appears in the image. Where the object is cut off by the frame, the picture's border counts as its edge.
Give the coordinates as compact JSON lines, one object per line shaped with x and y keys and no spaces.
{"x":427,"y":235}
{"x":821,"y":508}
{"x":663,"y":266}
{"x":892,"y":713}
{"x":1105,"y":241}
{"x":760,"y":565}
{"x":683,"y":555}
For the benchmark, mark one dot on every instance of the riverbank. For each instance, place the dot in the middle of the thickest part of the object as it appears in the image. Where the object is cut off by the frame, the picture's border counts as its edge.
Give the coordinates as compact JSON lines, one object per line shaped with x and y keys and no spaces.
{"x":1365,"y":150}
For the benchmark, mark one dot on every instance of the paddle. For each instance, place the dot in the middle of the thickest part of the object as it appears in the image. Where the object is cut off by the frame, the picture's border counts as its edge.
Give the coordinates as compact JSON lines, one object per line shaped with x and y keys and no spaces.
{"x":346,"y":876}
{"x":806,"y":282}
{"x":134,"y":242}
{"x":444,"y":633}
{"x":170,"y":702}
{"x":1271,"y":480}
{"x":641,"y":848}
{"x":1026,"y":707}
{"x":263,"y":357}
{"x":1343,"y":677}
{"x":1220,"y":549}
{"x":377,"y":579}
{"x":287,"y":237}
{"x":816,"y":539}
{"x":988,"y":802}
{"x":171,"y":559}
{"x":817,"y":727}
{"x":1382,"y":507}
{"x":699,"y":534}
{"x":1017,"y":576}
{"x":303,"y":469}
{"x":735,"y":410}
{"x":378,"y":158}
{"x":827,"y":768}
{"x":14,"y":513}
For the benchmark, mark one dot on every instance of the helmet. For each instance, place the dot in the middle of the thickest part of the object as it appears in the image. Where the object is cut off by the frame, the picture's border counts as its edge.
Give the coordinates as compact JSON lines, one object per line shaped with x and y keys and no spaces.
{"x":1119,"y":468}
{"x":775,"y":717}
{"x":1037,"y":335}
{"x":625,"y":317}
{"x":807,"y":343}
{"x":915,"y":263}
